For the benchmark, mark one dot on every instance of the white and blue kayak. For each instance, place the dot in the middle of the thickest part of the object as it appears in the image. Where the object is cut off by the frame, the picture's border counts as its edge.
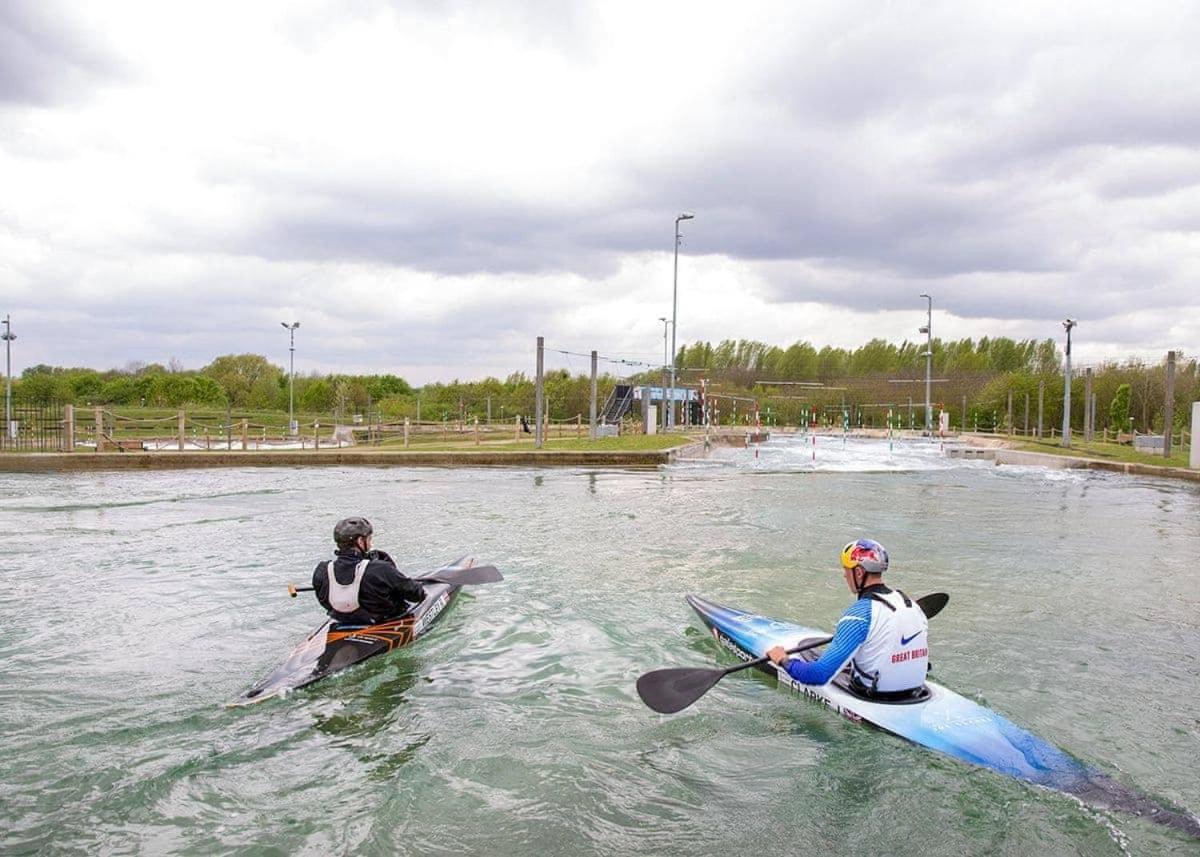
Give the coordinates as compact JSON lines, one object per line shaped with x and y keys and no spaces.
{"x":938,"y":719}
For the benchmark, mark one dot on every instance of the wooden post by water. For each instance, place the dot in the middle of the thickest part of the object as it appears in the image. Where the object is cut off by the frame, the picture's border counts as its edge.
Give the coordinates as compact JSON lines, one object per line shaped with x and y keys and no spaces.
{"x":69,"y":428}
{"x":1041,"y":401}
{"x":517,"y":428}
{"x":1087,"y":404}
{"x":406,"y":432}
{"x":245,"y":434}
{"x":98,"y":418}
{"x":539,"y":400}
{"x":578,"y":425}
{"x":316,"y":434}
{"x":477,"y":431}
{"x":182,"y":429}
{"x":1169,"y":409}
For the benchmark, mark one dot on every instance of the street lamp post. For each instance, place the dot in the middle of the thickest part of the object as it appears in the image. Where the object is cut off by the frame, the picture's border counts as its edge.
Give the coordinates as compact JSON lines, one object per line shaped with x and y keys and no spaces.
{"x":674,"y":316}
{"x":8,"y":336}
{"x":666,"y":324}
{"x":1066,"y":432}
{"x":291,"y":329}
{"x":928,"y":331}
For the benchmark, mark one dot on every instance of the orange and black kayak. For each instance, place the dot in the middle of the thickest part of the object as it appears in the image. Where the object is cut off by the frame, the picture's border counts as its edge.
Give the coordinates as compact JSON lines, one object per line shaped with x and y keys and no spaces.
{"x":333,"y":647}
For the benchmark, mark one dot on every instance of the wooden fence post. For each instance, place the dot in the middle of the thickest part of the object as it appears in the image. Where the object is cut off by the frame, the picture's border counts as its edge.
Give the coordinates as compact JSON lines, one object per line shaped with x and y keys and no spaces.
{"x":98,"y":417}
{"x":1041,"y":400}
{"x":245,"y":434}
{"x":477,"y":431}
{"x":69,"y":428}
{"x":182,"y":429}
{"x":316,"y":434}
{"x":516,"y":428}
{"x":579,"y":425}
{"x":406,"y":432}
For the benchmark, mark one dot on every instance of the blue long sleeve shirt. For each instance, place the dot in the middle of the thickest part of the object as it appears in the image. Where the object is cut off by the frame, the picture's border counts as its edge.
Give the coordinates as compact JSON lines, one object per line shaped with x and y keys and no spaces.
{"x":850,"y":633}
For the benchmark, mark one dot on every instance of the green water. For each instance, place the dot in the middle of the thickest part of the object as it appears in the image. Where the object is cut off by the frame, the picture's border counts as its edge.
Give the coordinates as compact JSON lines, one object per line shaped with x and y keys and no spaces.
{"x":133,"y":606}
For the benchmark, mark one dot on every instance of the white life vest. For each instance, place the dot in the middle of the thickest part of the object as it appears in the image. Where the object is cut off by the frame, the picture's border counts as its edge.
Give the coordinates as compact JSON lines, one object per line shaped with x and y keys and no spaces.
{"x":344,"y":599}
{"x":895,"y":655}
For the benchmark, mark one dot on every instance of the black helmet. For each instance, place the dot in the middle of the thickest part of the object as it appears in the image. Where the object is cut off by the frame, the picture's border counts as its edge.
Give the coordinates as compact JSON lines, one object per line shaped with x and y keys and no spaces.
{"x":348,"y":530}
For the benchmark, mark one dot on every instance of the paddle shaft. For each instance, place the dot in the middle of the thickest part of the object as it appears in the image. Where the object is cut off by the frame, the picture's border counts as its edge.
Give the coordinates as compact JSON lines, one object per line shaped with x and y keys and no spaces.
{"x":930,"y":605}
{"x":446,"y":577}
{"x":792,"y":651}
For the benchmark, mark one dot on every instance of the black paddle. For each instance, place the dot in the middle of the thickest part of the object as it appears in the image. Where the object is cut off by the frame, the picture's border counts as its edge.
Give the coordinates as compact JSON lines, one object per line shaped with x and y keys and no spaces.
{"x":675,"y":688}
{"x":472,"y":576}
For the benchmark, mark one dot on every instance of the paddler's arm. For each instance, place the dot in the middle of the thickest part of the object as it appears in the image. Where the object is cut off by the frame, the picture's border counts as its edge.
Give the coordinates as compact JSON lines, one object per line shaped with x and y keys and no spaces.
{"x":403,"y":588}
{"x":320,"y":584}
{"x":850,"y":633}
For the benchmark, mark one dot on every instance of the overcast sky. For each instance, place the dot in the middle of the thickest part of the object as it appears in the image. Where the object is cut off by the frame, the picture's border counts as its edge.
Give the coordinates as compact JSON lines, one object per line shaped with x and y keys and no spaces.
{"x":429,"y":186}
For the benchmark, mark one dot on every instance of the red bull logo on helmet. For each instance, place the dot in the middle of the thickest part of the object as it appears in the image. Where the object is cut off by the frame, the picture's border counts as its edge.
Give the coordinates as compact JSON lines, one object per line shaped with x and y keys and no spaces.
{"x":869,"y":554}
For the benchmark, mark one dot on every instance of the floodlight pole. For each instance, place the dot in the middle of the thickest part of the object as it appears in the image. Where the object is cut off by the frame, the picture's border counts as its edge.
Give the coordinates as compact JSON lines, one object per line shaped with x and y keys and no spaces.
{"x":1066,"y":431}
{"x":674,"y":320}
{"x":291,"y":328}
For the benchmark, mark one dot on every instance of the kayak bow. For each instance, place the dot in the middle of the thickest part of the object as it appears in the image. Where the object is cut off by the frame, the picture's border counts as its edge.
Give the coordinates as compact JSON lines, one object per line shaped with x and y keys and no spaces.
{"x":944,"y":721}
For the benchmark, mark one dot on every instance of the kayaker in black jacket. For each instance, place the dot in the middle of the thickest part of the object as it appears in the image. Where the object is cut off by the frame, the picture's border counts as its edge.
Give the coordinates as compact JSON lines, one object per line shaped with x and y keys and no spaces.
{"x":367,"y":587}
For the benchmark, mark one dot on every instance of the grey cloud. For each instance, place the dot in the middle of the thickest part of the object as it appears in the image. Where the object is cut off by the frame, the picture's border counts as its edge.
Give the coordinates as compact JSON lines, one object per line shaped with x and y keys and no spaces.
{"x":45,"y":59}
{"x":959,"y":181}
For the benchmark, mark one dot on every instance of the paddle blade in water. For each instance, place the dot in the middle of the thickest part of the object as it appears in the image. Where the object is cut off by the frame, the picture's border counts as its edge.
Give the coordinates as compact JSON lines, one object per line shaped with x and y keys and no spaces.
{"x":671,"y":690}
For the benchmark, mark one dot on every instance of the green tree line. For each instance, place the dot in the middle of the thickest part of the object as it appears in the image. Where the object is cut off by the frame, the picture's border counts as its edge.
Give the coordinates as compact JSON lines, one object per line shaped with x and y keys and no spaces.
{"x":251,"y":382}
{"x":792,"y":385}
{"x":801,"y":383}
{"x":802,"y":361}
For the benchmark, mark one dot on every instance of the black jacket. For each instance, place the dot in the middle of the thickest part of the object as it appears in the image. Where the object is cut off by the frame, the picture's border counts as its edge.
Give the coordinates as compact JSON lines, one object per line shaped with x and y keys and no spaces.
{"x":383,"y":594}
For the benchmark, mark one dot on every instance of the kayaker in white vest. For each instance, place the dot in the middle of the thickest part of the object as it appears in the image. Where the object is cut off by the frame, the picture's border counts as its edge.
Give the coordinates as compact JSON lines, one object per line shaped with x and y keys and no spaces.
{"x":361,"y":586}
{"x":882,"y":638}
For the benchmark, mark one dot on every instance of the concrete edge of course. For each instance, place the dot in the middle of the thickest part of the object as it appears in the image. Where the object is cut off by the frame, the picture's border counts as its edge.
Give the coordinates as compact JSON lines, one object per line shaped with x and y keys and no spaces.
{"x":43,"y":462}
{"x":1071,"y":462}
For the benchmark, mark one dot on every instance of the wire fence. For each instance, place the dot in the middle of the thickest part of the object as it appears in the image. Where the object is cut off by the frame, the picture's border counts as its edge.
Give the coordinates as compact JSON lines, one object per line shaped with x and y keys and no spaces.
{"x":64,"y":428}
{"x":33,"y":427}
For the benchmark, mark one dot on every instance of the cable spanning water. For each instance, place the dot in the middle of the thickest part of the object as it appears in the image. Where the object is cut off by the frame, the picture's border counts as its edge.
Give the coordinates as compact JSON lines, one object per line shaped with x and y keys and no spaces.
{"x":133,"y":606}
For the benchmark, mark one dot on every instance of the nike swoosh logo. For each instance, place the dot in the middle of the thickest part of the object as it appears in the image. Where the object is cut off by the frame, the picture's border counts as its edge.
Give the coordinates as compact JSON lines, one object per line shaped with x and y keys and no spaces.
{"x":904,"y":641}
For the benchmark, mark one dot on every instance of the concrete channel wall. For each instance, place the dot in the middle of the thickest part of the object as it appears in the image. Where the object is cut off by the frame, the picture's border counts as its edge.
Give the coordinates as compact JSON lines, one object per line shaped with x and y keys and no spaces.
{"x":47,"y":462}
{"x":77,"y":462}
{"x":1019,"y":457}
{"x":1066,"y":462}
